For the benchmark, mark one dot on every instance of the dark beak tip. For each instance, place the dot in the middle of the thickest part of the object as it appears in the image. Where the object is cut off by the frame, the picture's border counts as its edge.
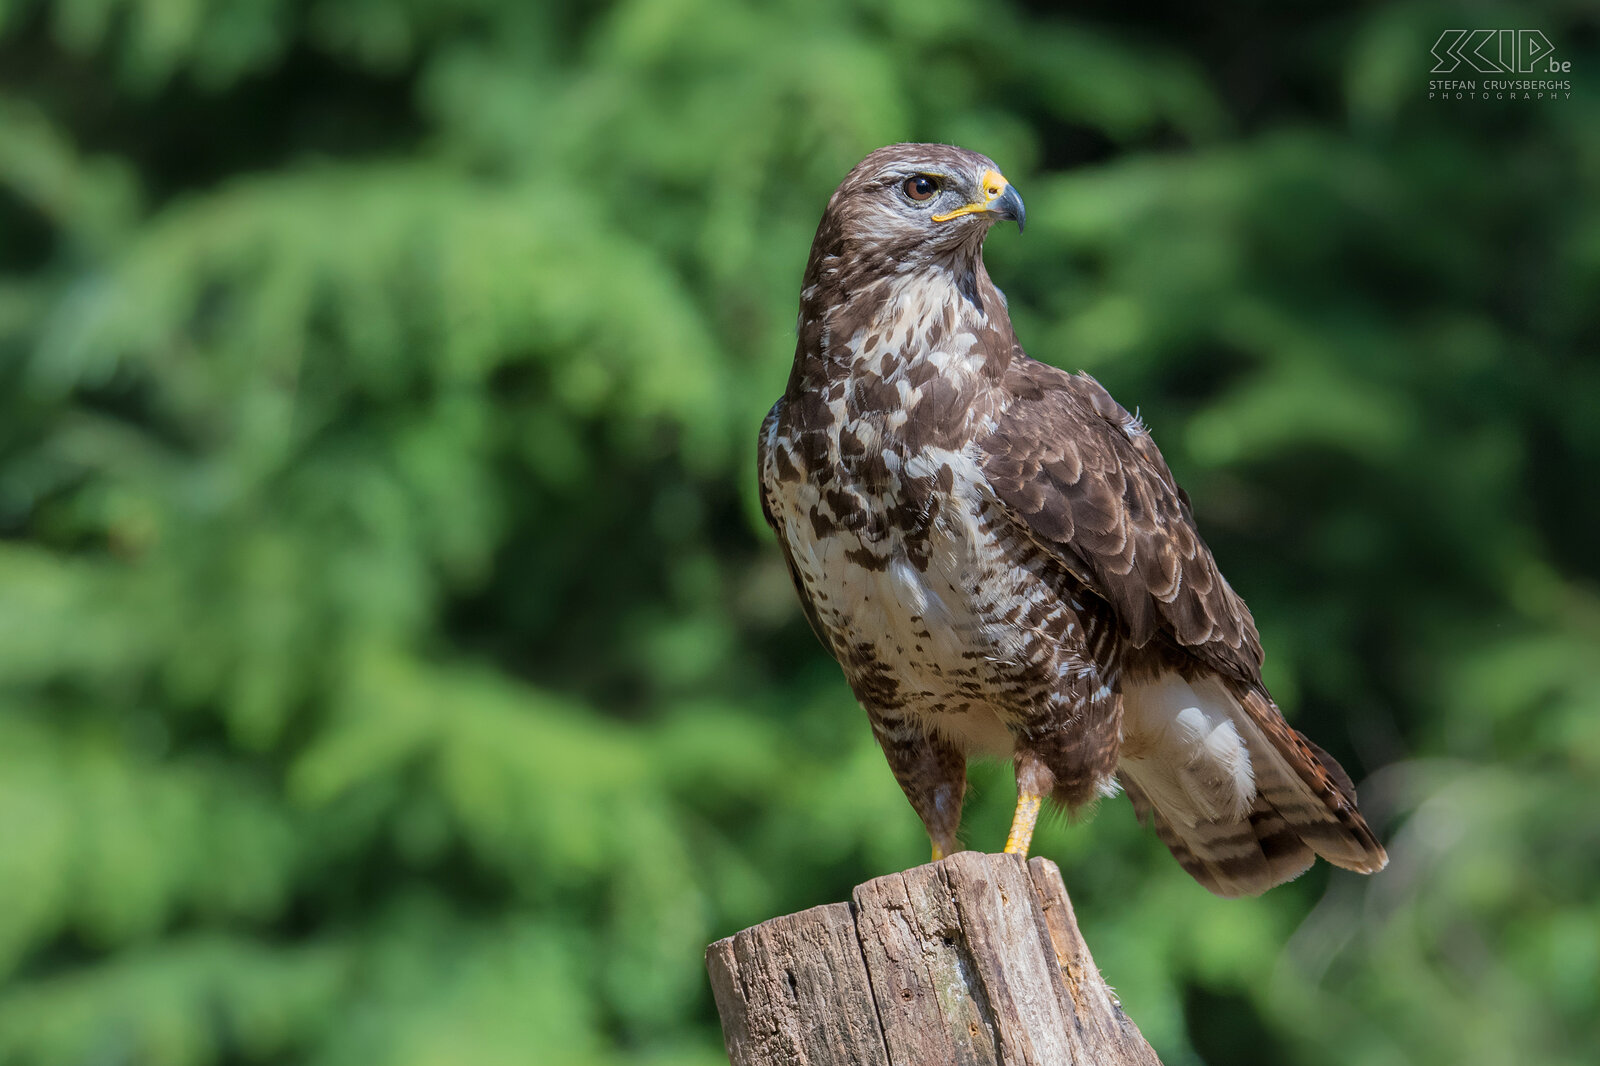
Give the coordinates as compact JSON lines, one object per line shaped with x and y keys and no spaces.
{"x":1011,"y":201}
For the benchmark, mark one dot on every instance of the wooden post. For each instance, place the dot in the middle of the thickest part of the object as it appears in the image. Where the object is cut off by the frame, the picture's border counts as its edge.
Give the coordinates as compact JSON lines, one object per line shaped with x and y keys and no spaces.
{"x":973,"y":960}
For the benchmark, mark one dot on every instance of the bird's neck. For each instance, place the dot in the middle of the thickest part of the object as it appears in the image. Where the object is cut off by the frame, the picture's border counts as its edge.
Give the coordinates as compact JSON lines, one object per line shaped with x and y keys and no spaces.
{"x":863,"y":318}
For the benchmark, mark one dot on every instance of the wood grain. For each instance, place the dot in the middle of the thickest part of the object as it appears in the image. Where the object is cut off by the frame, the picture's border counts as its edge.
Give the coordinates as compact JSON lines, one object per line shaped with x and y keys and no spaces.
{"x":975,"y":960}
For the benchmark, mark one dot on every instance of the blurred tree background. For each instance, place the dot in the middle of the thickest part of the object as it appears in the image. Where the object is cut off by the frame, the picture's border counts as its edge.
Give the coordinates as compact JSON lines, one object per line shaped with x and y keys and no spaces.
{"x":394,"y":668}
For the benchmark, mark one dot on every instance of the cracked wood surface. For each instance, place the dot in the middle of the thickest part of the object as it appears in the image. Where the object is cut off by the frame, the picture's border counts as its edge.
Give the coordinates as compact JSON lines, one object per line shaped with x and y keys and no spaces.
{"x":975,"y":960}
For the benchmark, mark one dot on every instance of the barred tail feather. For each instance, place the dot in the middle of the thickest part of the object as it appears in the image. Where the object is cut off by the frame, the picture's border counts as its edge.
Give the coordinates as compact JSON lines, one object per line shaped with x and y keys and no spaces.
{"x":1242,"y":800}
{"x":1312,"y":790}
{"x":1243,"y":858}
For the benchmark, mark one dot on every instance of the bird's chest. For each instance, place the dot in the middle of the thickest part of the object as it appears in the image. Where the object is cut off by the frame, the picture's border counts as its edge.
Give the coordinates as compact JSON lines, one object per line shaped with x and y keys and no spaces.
{"x":887,"y":459}
{"x":900,"y":549}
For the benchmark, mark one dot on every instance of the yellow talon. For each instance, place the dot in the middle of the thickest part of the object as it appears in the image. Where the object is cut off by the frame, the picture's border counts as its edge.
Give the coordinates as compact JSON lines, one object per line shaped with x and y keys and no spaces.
{"x":938,"y":852}
{"x":1022,"y":823}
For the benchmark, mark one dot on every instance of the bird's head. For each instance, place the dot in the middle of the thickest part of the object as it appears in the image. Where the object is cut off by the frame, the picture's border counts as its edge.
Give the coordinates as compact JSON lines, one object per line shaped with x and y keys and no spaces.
{"x":911,"y":202}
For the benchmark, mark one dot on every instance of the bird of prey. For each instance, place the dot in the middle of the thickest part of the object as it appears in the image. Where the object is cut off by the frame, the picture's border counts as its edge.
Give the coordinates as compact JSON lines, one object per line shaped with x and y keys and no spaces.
{"x":997,"y":555}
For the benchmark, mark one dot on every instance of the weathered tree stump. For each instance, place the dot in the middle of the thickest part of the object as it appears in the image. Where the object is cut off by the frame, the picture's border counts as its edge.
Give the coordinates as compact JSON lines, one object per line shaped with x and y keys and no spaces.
{"x":975,"y":959}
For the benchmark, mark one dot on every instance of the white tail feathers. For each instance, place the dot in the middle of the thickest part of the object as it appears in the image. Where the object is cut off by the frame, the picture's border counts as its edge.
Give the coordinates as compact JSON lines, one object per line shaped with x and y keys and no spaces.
{"x":1224,"y":798}
{"x":1185,"y":751}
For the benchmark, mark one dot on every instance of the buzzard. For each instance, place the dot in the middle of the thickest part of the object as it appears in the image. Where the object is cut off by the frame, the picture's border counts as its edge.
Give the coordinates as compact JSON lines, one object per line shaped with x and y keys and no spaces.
{"x":996,"y":553}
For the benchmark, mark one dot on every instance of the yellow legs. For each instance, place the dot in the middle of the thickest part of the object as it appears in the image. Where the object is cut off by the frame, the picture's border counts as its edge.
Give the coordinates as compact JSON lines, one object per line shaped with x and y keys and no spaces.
{"x":1022,"y":823}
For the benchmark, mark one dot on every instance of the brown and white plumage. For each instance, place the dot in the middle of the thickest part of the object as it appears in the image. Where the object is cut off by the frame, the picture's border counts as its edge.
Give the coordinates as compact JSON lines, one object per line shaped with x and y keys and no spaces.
{"x":999,"y":558}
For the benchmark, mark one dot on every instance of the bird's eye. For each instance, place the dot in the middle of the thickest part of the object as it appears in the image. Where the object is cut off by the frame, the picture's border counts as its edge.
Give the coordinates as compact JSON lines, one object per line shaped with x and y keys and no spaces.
{"x":920,"y":187}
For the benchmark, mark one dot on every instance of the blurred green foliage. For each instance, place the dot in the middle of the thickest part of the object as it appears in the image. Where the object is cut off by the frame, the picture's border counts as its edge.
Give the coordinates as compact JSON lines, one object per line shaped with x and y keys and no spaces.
{"x":394,"y":669}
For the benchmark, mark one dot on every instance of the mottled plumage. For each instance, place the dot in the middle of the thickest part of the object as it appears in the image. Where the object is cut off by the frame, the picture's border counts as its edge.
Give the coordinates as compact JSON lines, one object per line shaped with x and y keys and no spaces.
{"x":997,"y":554}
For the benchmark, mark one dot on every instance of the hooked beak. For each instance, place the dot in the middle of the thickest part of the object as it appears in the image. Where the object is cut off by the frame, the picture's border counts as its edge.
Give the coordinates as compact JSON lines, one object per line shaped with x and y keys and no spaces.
{"x":1009,"y":207}
{"x":999,"y":200}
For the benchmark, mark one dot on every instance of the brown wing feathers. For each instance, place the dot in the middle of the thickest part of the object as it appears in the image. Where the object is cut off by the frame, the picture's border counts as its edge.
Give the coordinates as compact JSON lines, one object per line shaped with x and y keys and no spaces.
{"x":1085,"y":479}
{"x":1081,"y":475}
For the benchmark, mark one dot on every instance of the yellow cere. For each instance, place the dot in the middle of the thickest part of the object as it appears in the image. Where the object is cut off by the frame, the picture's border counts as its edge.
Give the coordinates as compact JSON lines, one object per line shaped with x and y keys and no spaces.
{"x":994,"y":184}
